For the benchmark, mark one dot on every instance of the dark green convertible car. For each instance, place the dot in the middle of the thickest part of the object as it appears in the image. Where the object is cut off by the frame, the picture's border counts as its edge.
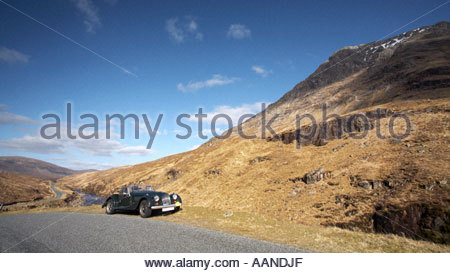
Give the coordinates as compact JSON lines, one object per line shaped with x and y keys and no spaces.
{"x":144,"y":199}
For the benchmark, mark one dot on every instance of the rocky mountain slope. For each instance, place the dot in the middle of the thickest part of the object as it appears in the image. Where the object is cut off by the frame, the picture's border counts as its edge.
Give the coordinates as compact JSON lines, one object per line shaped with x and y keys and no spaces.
{"x":352,"y":59}
{"x":374,"y":183}
{"x":34,"y":167}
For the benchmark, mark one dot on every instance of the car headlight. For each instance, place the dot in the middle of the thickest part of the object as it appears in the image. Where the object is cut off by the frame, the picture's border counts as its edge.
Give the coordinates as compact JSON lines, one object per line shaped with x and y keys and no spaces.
{"x":174,"y":196}
{"x":156,"y":198}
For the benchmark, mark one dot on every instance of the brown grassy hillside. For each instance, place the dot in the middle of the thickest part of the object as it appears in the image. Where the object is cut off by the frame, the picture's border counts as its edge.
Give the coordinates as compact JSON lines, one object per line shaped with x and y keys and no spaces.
{"x":15,"y":188}
{"x":369,"y":184}
{"x":34,"y":167}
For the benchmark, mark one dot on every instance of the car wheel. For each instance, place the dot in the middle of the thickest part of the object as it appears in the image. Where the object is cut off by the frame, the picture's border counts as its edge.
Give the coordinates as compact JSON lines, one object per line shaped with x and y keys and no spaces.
{"x":144,"y":210}
{"x":110,"y":207}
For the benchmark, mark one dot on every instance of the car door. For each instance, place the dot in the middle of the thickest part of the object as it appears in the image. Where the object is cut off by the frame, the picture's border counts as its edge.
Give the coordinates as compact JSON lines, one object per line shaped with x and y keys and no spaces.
{"x":124,"y":198}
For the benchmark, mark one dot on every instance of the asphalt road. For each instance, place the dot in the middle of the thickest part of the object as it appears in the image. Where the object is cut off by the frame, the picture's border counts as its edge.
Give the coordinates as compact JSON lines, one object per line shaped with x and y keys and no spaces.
{"x":79,"y":232}
{"x":58,"y":193}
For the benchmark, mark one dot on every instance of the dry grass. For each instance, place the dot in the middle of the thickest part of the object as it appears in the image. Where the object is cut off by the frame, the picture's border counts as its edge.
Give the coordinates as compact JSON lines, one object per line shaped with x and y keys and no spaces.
{"x":314,"y":238}
{"x":55,"y":206}
{"x":15,"y":188}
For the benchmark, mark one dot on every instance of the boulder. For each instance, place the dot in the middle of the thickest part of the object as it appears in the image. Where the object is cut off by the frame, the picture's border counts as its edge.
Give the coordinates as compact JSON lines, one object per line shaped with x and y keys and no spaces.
{"x":173,"y":174}
{"x":259,"y":159}
{"x":315,"y":176}
{"x":364,"y":184}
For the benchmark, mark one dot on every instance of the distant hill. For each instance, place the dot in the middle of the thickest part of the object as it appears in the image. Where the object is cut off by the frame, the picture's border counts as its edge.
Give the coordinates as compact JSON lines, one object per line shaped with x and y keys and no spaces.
{"x":35,"y":168}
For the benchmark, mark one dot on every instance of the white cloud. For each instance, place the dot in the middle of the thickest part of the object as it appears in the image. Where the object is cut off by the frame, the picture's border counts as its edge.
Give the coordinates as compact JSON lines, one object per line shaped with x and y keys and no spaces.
{"x":7,"y":118}
{"x":182,"y":29}
{"x":192,"y":26}
{"x":86,"y":165}
{"x":218,"y":129}
{"x":216,"y":79}
{"x":14,"y":119}
{"x":238,"y":31}
{"x":193,"y":147}
{"x":163,"y":132}
{"x":175,"y":32}
{"x":12,"y":56}
{"x":95,"y":147}
{"x":33,"y":144}
{"x":233,"y":112}
{"x":90,"y":13}
{"x":260,"y":70}
{"x":92,"y":147}
{"x":135,"y":151}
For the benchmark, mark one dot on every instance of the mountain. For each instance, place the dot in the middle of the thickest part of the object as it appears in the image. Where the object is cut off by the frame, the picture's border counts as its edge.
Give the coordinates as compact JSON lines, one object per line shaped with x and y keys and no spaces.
{"x":338,"y":176}
{"x":386,"y":60}
{"x":35,"y":168}
{"x":17,"y":188}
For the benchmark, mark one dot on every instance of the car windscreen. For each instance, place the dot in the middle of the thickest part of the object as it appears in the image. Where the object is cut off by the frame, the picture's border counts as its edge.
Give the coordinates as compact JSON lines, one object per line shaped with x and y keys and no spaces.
{"x":142,"y":188}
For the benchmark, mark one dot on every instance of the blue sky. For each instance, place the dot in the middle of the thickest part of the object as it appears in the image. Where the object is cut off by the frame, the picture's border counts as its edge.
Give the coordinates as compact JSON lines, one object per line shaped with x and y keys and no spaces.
{"x":167,"y":57}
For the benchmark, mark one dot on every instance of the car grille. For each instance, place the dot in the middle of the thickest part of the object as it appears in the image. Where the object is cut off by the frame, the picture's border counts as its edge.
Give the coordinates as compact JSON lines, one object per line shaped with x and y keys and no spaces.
{"x":166,"y":200}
